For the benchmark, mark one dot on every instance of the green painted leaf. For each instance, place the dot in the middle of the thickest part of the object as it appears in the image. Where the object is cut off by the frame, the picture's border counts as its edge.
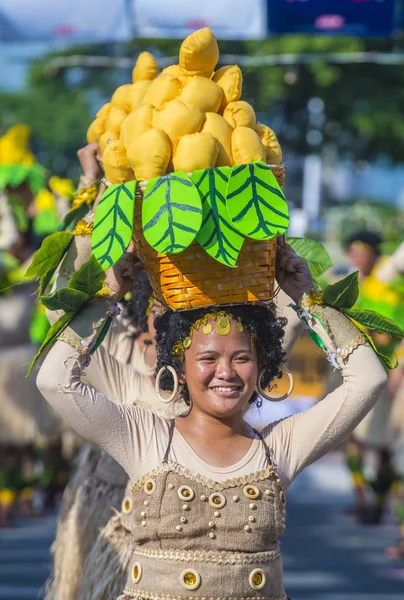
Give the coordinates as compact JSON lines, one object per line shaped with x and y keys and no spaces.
{"x":313,"y":252}
{"x":171,"y":213}
{"x":113,"y":223}
{"x":217,"y":235}
{"x":73,"y":216}
{"x":65,"y":299}
{"x":256,"y":203}
{"x":53,"y":332}
{"x":375,"y":321}
{"x":49,"y":255}
{"x":88,"y":278}
{"x":343,"y":293}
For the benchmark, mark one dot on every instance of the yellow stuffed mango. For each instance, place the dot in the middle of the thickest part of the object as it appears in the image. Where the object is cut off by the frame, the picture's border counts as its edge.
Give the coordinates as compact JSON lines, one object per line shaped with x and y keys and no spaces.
{"x":136,"y":94}
{"x":115,"y":119}
{"x":96,"y":129}
{"x":199,"y":53}
{"x":230,"y":79}
{"x":105,"y":138}
{"x":120,"y":96}
{"x":145,"y":69}
{"x":136,"y":123}
{"x":173,"y":70}
{"x":202,"y":93}
{"x":246,"y":146}
{"x":149,"y":154}
{"x":271,"y":144}
{"x":104,"y":110}
{"x":240,"y":114}
{"x":195,"y":151}
{"x":161,"y":90}
{"x":217,"y":126}
{"x":177,"y":119}
{"x":115,"y":162}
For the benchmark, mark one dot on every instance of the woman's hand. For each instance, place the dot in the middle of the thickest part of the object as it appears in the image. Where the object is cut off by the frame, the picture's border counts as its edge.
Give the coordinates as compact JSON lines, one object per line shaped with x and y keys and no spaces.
{"x":292,"y":272}
{"x":90,"y":166}
{"x":121,"y":276}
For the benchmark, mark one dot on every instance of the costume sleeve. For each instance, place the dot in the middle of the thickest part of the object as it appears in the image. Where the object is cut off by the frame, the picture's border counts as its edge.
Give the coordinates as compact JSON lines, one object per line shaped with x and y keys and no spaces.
{"x":124,"y":431}
{"x":301,"y":439}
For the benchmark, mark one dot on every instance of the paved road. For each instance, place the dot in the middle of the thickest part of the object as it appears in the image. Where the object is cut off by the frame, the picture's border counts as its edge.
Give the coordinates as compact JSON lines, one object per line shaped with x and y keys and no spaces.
{"x":326,"y":555}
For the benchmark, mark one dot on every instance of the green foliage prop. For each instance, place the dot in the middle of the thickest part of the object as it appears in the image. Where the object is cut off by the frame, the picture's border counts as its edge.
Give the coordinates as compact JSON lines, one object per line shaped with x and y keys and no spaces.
{"x":83,"y":285}
{"x":88,"y":278}
{"x":256,"y":203}
{"x":113,"y":223}
{"x":343,"y":293}
{"x":217,"y":235}
{"x":314,"y":253}
{"x":51,"y":337}
{"x":73,"y":216}
{"x":374,"y":321}
{"x":170,"y":202}
{"x":66,"y":299}
{"x":49,"y":255}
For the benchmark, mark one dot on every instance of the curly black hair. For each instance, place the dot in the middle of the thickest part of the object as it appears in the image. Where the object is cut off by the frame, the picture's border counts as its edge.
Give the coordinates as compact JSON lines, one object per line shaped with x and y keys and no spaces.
{"x":135,"y":308}
{"x":260,"y":320}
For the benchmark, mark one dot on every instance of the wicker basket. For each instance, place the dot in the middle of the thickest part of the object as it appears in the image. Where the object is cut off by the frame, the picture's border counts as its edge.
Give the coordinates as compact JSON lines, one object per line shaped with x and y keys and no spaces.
{"x":193,"y":279}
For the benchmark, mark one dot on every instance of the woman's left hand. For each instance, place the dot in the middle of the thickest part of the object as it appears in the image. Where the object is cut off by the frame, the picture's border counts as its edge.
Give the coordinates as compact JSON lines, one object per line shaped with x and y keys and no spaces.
{"x":120,"y":278}
{"x":292,"y":272}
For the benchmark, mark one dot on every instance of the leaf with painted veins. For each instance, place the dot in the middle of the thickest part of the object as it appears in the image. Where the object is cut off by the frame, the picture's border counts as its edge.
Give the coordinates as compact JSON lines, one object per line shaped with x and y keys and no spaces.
{"x":113,"y":223}
{"x":171,"y":213}
{"x":217,"y":235}
{"x":256,"y":203}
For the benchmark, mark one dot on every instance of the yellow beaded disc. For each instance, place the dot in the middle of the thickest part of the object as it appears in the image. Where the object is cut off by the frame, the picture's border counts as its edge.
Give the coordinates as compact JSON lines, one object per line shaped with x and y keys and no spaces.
{"x":187,"y":342}
{"x":207,"y":329}
{"x":257,"y":578}
{"x":223,"y":326}
{"x":190,"y":579}
{"x":239,"y":327}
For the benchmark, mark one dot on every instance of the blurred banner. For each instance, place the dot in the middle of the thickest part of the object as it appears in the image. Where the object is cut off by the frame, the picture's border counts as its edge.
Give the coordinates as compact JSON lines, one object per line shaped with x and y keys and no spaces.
{"x":347,"y":17}
{"x":97,"y":21}
{"x":71,"y":21}
{"x":229,"y":19}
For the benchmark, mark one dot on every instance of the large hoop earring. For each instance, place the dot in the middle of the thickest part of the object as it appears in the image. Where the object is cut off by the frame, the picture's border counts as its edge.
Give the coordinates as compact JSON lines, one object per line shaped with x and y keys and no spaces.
{"x":172,"y":396}
{"x":274,"y":398}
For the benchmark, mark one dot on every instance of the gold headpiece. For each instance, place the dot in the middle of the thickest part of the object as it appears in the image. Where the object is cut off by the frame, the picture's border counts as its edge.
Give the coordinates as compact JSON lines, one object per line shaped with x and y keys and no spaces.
{"x":223,"y":326}
{"x":149,"y":306}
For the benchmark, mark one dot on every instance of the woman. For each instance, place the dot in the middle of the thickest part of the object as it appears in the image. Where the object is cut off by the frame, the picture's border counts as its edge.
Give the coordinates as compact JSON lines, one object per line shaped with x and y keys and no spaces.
{"x":208,"y":499}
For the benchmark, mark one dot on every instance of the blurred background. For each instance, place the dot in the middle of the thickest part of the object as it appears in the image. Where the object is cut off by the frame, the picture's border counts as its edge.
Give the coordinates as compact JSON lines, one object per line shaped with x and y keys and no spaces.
{"x":328,"y":77}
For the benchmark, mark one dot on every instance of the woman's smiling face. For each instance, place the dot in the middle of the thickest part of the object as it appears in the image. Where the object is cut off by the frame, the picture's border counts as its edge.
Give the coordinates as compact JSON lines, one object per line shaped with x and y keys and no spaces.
{"x":220,"y":371}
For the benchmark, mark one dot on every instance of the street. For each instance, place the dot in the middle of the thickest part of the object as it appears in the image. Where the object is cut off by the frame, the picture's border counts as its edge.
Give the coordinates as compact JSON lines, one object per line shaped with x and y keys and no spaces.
{"x":326,"y":555}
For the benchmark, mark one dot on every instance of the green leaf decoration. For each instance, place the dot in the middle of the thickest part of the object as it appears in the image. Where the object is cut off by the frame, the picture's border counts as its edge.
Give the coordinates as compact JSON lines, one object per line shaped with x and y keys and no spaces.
{"x":171,"y":213}
{"x":73,"y":216}
{"x":53,"y":332}
{"x":102,"y":335}
{"x":113,"y":223}
{"x":386,"y":360}
{"x":313,"y":252}
{"x":88,"y":279}
{"x":49,"y":255}
{"x":15,"y":175}
{"x":45,"y":281}
{"x":375,"y":321}
{"x":256,"y":203}
{"x":217,"y":235}
{"x":343,"y":293}
{"x":65,"y":299}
